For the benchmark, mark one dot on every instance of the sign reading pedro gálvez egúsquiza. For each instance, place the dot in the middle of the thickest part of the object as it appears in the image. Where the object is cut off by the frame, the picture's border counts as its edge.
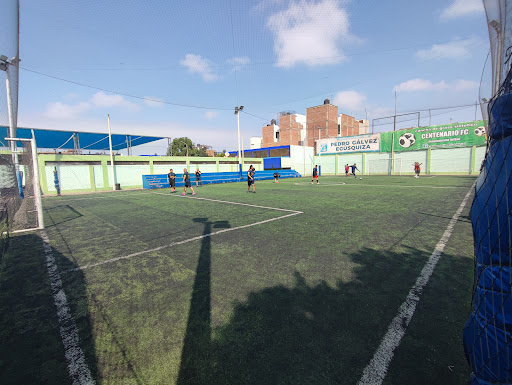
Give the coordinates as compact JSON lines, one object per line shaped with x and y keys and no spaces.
{"x":359,"y":143}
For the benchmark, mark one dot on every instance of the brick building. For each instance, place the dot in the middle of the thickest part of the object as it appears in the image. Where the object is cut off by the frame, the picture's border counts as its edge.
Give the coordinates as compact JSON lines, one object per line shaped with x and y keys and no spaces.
{"x":290,"y":131}
{"x":320,"y":122}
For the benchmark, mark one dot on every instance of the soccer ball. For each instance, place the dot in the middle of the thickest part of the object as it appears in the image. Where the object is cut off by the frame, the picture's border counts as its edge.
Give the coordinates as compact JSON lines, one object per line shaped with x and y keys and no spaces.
{"x":407,"y":140}
{"x":361,"y":178}
{"x":479,"y":131}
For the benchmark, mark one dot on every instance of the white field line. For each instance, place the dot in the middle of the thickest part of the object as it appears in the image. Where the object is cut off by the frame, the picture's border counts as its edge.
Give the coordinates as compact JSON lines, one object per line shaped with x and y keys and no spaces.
{"x":292,"y":213}
{"x":77,"y":367}
{"x":321,"y":184}
{"x":381,"y":185}
{"x":232,"y":203}
{"x":377,"y":369}
{"x":22,"y":231}
{"x":111,"y":195}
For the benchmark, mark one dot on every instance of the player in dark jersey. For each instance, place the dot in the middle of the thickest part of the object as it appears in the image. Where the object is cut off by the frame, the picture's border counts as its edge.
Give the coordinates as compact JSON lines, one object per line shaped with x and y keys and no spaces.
{"x":276,"y":177}
{"x":354,"y":168}
{"x":186,"y":181}
{"x":198,"y":178}
{"x":171,"y":178}
{"x":315,"y":174}
{"x":250,"y":179}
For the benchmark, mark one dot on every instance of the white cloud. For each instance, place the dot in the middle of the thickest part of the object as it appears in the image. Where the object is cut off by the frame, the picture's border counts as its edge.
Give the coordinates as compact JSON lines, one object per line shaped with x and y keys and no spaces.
{"x":244,"y":60}
{"x":238,"y":62}
{"x":350,"y":100}
{"x":198,"y":65}
{"x":152,"y":101}
{"x":461,"y":85}
{"x":309,"y":32}
{"x":211,"y":114}
{"x":457,"y":49}
{"x":101,"y":99}
{"x":460,"y":8}
{"x":265,"y":4}
{"x":426,"y":85}
{"x":59,"y":110}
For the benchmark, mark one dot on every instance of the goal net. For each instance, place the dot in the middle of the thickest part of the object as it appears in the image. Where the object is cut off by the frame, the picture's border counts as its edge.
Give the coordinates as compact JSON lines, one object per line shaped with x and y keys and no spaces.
{"x":488,"y":331}
{"x":384,"y":167}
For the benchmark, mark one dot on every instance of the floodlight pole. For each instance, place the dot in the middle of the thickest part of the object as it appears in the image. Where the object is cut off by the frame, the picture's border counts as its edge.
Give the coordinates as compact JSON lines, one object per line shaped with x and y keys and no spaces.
{"x":242,"y":146}
{"x":237,"y":110}
{"x":5,"y":65}
{"x":111,"y":155}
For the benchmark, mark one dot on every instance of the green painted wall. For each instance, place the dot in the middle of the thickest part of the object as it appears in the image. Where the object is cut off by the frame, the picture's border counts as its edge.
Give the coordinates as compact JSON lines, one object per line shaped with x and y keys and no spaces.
{"x":465,"y":160}
{"x":85,"y":173}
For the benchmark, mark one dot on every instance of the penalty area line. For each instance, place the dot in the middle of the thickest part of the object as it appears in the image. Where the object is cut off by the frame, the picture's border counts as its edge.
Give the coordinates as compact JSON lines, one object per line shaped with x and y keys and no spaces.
{"x":77,"y":367}
{"x":231,"y":203}
{"x":181,"y":242}
{"x":377,"y":369}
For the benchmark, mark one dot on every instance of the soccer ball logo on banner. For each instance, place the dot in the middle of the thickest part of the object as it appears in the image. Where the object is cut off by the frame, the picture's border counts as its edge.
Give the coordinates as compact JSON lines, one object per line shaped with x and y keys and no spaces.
{"x":323,"y":148}
{"x":479,"y":131}
{"x":407,"y":140}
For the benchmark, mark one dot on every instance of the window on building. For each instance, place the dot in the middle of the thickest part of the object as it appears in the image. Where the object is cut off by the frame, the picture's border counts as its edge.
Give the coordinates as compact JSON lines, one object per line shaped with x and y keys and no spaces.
{"x":339,"y":129}
{"x":277,"y":135}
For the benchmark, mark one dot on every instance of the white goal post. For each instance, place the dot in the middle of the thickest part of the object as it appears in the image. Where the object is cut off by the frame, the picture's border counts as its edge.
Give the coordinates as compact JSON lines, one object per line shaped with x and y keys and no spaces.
{"x":33,"y":180}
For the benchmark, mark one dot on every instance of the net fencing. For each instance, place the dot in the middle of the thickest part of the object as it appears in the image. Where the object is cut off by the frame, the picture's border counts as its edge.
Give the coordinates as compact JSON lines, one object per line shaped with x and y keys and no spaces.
{"x":384,"y":167}
{"x":488,"y":331}
{"x":18,"y":204}
{"x":26,"y":216}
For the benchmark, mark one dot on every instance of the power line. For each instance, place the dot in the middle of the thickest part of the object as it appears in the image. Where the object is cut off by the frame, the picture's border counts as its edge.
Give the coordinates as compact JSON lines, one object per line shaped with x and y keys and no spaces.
{"x":127,"y":95}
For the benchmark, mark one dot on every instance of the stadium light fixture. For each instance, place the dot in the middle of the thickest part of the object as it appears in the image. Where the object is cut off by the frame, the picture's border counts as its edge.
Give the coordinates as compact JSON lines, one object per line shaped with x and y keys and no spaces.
{"x":4,"y":62}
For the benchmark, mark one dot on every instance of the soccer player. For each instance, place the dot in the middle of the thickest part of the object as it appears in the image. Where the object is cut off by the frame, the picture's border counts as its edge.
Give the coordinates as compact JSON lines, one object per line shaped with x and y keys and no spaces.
{"x":250,"y":179}
{"x":417,"y":169}
{"x":346,"y":169}
{"x":315,"y":174}
{"x":186,"y":181}
{"x":171,"y":178}
{"x":276,"y":177}
{"x":198,"y":178}
{"x":354,"y":168}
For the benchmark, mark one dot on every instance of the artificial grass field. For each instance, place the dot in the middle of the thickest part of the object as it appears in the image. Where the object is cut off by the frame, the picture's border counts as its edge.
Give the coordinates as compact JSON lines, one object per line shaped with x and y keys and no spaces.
{"x":303,"y":299}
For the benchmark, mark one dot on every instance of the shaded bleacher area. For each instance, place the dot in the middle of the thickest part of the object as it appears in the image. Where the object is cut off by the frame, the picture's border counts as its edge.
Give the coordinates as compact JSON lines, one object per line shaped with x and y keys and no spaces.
{"x":160,"y":180}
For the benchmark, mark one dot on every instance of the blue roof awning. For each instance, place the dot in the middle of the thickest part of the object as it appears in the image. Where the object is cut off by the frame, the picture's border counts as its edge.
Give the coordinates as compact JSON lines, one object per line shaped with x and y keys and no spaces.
{"x":64,"y":139}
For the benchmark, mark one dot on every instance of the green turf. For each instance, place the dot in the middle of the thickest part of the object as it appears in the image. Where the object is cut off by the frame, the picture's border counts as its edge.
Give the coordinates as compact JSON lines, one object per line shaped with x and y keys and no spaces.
{"x":299,"y":300}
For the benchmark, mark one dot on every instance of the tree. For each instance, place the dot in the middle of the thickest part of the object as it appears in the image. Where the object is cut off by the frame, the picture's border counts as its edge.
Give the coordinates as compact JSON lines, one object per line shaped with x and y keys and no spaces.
{"x":184,"y":147}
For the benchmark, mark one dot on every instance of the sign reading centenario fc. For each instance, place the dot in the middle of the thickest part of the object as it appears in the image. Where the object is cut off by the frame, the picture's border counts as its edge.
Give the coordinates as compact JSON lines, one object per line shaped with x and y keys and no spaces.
{"x":444,"y":136}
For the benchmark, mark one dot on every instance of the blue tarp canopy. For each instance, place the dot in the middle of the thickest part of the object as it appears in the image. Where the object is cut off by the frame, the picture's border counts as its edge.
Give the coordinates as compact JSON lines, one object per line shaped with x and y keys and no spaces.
{"x":87,"y":140}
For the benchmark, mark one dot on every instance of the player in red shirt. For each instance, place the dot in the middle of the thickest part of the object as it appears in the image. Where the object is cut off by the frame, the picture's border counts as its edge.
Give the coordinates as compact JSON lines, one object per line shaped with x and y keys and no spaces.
{"x":347,"y":168}
{"x":417,"y":169}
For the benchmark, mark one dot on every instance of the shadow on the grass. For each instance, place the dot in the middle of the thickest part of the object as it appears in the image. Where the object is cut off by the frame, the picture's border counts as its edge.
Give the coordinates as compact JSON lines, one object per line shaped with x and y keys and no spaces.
{"x":304,"y":334}
{"x":31,"y":347}
{"x":196,"y":364}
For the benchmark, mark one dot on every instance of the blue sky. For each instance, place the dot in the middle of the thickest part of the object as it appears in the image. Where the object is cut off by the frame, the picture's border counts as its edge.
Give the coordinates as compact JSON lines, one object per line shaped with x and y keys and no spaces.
{"x":272,"y":55}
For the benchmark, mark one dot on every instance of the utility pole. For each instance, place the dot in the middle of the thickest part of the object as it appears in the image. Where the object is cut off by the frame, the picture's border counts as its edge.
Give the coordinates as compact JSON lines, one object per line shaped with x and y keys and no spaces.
{"x":393,"y":142}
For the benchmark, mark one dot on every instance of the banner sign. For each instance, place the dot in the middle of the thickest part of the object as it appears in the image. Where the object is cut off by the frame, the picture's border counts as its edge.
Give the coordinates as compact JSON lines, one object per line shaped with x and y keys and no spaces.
{"x":346,"y":144}
{"x":445,"y":136}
